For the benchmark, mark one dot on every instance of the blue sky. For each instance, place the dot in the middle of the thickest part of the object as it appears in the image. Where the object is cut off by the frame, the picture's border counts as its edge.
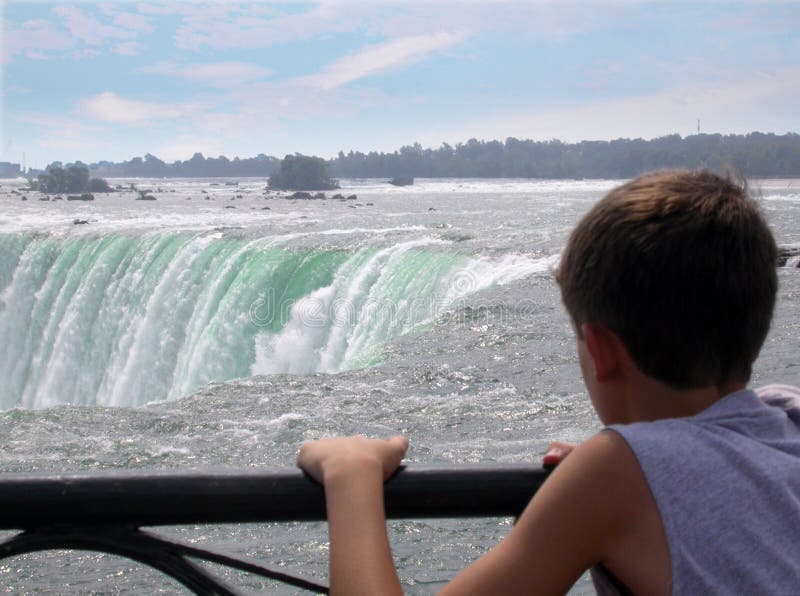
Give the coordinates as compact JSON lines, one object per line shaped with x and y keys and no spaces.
{"x":93,"y":81}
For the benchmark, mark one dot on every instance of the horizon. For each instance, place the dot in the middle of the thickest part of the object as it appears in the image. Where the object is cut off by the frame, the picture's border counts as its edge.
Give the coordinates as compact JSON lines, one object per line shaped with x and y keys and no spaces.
{"x":66,"y":162}
{"x":91,"y":82}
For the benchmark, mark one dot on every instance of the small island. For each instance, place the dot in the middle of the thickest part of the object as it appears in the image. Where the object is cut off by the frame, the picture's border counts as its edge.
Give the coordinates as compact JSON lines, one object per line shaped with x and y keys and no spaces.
{"x":72,"y":179}
{"x":402,"y":181}
{"x":302,"y":172}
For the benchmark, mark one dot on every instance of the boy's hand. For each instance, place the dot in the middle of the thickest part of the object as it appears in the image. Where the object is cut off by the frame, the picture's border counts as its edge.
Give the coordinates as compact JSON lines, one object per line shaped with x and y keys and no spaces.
{"x":326,"y":457}
{"x":353,"y":470}
{"x":556,"y":453}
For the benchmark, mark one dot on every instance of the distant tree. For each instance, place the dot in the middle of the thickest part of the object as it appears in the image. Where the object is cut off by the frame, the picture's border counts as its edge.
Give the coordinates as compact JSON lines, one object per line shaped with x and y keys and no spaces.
{"x":54,"y":179}
{"x":302,"y":172}
{"x":99,"y":185}
{"x":77,"y":178}
{"x":73,"y":179}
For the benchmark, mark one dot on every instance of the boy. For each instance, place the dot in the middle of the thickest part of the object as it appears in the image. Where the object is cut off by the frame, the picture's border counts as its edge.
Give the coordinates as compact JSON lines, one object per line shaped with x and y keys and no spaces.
{"x":694,"y":487}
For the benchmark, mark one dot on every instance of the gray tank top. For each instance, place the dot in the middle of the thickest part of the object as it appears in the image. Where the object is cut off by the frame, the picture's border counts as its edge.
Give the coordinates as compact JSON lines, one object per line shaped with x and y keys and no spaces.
{"x":727,"y":485}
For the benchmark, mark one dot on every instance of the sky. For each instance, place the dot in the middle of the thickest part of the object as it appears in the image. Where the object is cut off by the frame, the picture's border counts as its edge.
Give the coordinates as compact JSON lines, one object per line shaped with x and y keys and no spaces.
{"x":95,"y":81}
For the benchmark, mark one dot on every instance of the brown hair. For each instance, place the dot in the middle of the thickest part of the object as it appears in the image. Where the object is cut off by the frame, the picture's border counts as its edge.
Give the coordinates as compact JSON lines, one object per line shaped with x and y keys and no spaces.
{"x":681,"y":266}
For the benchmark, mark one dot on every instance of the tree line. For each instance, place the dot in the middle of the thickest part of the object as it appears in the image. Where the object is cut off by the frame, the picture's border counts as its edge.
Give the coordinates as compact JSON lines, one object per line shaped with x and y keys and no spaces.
{"x":755,"y":155}
{"x":198,"y":166}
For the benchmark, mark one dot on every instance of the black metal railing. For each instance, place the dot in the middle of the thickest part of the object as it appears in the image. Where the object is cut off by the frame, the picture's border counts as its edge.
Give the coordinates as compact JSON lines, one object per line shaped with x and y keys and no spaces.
{"x":105,"y":512}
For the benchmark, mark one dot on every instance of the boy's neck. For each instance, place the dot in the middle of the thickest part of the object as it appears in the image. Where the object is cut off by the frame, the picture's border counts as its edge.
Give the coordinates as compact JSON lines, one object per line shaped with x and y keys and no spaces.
{"x":649,"y":399}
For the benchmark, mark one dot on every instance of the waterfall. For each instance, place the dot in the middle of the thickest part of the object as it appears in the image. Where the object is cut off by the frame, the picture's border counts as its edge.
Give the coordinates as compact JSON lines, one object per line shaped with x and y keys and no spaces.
{"x":123,"y":320}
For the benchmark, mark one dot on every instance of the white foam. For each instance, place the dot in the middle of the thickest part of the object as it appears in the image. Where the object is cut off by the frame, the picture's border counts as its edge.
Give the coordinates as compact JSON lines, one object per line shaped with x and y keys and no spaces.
{"x":166,"y":451}
{"x":371,"y":300}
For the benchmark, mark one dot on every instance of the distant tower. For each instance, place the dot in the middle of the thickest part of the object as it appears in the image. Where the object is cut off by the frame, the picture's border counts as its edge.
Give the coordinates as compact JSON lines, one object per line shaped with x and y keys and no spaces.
{"x":698,"y":126}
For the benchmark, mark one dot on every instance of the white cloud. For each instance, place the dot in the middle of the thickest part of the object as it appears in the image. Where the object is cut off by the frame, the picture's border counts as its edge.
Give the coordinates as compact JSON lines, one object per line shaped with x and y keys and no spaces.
{"x":182,"y":8}
{"x":542,"y":19}
{"x":84,"y":53}
{"x":129,"y":48}
{"x":88,"y":29}
{"x":377,"y":58}
{"x":135,"y":22}
{"x":223,"y":26}
{"x":108,"y":9}
{"x":42,"y":39}
{"x":158,"y":9}
{"x":35,"y":37}
{"x":230,"y":26}
{"x":110,"y":107}
{"x":216,"y":74}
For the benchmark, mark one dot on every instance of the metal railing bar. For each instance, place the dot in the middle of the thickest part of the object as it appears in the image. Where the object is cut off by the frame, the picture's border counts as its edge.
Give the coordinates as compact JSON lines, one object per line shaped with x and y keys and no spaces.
{"x":103,"y":512}
{"x":174,"y":498}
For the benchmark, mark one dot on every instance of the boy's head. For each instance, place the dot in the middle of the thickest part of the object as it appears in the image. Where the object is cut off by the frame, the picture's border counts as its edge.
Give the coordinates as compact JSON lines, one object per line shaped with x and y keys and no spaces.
{"x":681,"y":266}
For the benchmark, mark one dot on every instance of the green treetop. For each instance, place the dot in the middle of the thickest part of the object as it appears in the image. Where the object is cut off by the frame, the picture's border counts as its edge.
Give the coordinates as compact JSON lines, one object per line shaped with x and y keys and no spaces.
{"x":302,"y":172}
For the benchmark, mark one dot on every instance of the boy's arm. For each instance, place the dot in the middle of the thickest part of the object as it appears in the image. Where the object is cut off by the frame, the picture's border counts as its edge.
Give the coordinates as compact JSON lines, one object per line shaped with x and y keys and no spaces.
{"x":594,"y":508}
{"x":352,"y":470}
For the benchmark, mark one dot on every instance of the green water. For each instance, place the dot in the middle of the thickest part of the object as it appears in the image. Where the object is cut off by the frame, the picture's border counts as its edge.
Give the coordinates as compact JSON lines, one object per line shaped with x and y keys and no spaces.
{"x":123,"y":320}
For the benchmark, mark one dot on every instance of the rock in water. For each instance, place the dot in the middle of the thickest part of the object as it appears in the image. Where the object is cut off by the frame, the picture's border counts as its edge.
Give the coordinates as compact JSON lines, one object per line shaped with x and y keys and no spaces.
{"x":785,"y":253}
{"x":402,"y":181}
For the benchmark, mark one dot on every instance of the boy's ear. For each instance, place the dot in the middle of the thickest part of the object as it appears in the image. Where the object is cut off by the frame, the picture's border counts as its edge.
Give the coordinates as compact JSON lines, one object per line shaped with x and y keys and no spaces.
{"x":604,"y":347}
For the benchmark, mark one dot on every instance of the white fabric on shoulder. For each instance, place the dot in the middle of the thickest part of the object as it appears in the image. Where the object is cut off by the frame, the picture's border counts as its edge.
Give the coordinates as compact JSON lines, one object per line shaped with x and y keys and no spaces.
{"x":786,"y":397}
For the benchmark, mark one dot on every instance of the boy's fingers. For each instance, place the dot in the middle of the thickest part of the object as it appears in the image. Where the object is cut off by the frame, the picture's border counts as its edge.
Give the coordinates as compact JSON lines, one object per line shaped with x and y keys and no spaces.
{"x":399,"y":442}
{"x":560,"y":447}
{"x":397,"y":450}
{"x":557,"y":451}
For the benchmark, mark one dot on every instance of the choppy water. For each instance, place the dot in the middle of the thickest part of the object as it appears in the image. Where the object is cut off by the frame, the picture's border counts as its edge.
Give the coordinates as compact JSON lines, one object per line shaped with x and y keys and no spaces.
{"x":431,"y":312}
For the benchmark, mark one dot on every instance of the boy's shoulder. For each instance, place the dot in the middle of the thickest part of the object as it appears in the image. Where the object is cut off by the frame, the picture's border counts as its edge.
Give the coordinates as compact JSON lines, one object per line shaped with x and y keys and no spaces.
{"x":738,"y":459}
{"x":741,"y":438}
{"x":599,"y":504}
{"x":746,"y":415}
